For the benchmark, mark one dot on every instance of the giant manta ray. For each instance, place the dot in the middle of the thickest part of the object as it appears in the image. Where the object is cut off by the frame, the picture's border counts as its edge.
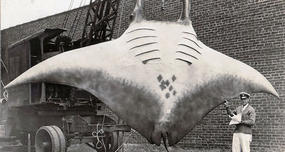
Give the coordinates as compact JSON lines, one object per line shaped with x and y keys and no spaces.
{"x":158,"y":76}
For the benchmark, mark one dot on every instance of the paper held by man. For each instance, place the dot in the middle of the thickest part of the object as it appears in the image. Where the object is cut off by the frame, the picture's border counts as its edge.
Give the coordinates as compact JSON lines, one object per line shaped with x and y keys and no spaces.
{"x":236,"y":119}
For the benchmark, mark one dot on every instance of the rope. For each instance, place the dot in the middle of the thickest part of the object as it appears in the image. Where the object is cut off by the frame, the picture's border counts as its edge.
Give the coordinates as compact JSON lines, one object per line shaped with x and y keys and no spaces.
{"x":5,"y":67}
{"x":5,"y":95}
{"x":100,"y":142}
{"x":102,"y":128}
{"x":2,"y":83}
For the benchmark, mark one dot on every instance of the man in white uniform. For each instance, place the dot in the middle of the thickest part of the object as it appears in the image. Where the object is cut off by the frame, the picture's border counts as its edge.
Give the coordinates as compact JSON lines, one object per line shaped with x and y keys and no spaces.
{"x":243,"y":132}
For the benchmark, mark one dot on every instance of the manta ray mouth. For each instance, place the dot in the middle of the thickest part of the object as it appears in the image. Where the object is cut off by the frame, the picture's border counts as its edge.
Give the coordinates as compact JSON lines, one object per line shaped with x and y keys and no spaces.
{"x":160,"y":133}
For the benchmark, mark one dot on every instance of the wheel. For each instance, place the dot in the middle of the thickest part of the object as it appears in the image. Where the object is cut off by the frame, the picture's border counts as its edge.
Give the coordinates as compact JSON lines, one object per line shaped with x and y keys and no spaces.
{"x":50,"y":139}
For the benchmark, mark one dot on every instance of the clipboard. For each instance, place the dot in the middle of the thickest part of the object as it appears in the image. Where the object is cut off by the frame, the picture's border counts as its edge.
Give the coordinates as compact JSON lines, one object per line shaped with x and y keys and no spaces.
{"x":236,"y":119}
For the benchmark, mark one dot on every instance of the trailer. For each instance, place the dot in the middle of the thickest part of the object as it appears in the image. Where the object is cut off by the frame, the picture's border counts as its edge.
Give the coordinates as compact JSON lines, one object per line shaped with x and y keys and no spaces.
{"x":46,"y":117}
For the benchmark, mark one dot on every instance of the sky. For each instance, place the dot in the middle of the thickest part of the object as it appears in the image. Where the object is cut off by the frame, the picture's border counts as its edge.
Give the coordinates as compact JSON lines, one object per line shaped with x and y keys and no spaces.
{"x":15,"y":12}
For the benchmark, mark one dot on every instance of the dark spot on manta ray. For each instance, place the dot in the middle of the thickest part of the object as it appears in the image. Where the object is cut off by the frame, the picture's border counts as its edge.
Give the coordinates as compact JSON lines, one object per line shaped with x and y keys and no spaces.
{"x":173,"y":78}
{"x":167,"y":95}
{"x":170,"y":88}
{"x":159,"y":78}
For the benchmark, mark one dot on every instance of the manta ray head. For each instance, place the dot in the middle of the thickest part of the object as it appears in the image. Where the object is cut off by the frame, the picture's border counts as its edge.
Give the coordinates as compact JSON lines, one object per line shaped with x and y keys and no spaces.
{"x":158,"y":76}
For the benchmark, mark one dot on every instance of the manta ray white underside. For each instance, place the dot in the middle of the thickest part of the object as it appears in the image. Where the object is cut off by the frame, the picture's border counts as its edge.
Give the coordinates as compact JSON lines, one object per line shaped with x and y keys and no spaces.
{"x":158,"y":77}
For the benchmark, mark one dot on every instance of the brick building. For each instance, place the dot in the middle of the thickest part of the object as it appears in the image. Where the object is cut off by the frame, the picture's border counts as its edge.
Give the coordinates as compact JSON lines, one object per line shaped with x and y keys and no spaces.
{"x":252,"y":31}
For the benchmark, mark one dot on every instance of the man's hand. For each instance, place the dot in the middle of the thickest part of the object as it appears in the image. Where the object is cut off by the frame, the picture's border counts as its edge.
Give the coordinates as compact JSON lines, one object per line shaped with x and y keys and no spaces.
{"x":226,"y":103}
{"x":229,"y":112}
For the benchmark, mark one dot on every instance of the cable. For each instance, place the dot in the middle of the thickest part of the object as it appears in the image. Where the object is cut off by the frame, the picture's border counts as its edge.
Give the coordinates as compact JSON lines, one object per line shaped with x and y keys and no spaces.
{"x":190,"y":5}
{"x":120,"y":17}
{"x":75,"y":18}
{"x":67,"y":14}
{"x":78,"y":20}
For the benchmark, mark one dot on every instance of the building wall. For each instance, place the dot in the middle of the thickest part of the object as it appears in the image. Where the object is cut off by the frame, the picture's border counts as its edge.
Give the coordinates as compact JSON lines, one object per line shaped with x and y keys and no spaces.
{"x":252,"y":31}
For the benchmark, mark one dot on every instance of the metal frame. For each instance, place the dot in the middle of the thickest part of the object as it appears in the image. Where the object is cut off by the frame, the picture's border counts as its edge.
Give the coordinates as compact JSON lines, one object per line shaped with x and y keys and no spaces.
{"x":100,"y":21}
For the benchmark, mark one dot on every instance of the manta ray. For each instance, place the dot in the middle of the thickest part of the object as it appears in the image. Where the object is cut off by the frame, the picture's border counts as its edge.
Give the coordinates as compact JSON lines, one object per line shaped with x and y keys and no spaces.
{"x":157,"y":76}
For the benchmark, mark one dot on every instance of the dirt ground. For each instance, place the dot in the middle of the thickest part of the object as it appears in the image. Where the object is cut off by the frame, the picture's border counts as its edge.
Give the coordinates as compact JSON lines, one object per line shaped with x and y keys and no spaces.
{"x":6,"y":147}
{"x":125,"y":148}
{"x":80,"y":148}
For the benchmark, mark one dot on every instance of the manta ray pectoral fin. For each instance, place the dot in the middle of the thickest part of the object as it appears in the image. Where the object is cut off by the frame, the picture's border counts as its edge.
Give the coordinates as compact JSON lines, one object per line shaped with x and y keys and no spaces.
{"x":215,"y":78}
{"x":96,"y":69}
{"x":236,"y":77}
{"x":69,"y":68}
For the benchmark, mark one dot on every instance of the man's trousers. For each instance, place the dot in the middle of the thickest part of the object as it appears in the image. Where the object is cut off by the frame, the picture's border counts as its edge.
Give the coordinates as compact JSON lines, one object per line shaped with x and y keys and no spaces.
{"x":241,"y":142}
